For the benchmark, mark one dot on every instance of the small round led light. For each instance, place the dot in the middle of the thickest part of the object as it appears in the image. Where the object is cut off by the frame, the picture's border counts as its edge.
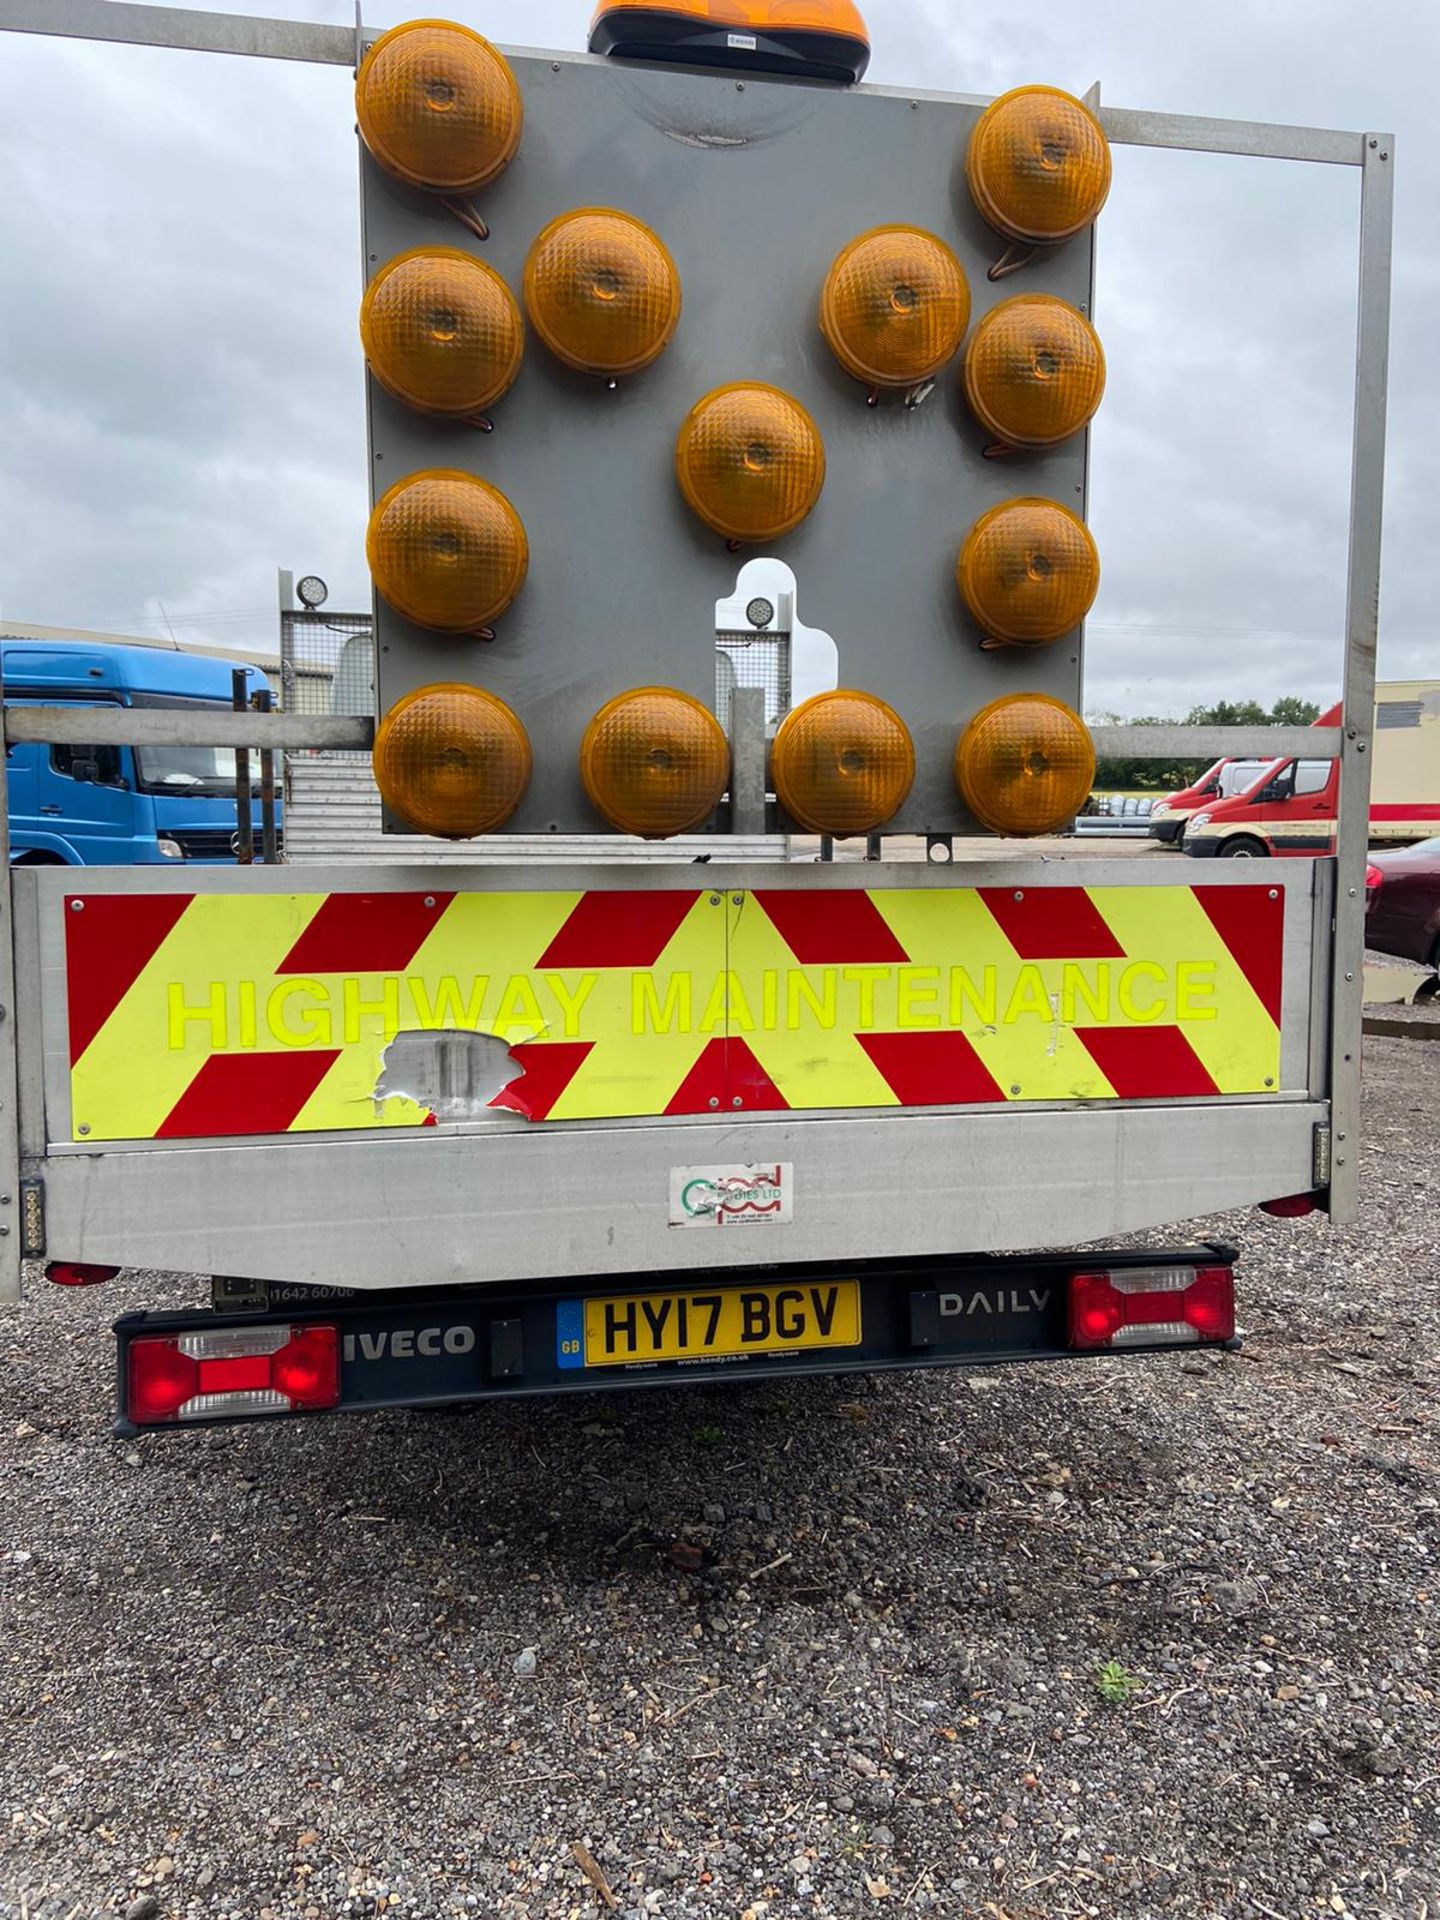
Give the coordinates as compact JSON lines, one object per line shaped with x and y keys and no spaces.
{"x":1038,"y":165}
{"x":438,"y":106}
{"x":750,"y":462}
{"x":602,"y":291}
{"x":1034,"y":371}
{"x":843,"y":763}
{"x":452,"y":760}
{"x":1025,"y":764}
{"x":655,"y":762}
{"x":442,"y":331}
{"x":1029,"y":572}
{"x":895,"y":307}
{"x":447,"y":550}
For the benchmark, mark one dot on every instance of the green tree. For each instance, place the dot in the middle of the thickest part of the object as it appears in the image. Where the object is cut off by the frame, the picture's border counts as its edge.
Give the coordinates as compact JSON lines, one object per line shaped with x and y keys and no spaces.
{"x":1169,"y":776}
{"x":1294,"y":712}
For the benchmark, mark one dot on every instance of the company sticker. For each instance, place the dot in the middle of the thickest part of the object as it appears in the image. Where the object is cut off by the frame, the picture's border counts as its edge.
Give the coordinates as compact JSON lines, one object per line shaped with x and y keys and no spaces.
{"x":732,"y":1196}
{"x":742,"y":42}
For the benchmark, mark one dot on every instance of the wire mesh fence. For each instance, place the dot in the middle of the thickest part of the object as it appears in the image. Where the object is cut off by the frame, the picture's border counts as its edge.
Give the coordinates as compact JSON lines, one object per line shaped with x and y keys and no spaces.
{"x":327,"y":665}
{"x":753,"y":660}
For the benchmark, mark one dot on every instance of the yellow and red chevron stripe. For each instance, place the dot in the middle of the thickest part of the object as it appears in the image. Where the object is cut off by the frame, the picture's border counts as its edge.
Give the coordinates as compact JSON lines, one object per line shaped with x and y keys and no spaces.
{"x":200,"y":1015}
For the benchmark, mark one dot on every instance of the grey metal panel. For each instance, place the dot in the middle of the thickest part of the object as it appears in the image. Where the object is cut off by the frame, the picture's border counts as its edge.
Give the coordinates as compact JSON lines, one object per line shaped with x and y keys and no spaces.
{"x":180,"y":27}
{"x":755,"y":186}
{"x":440,"y":1211}
{"x":1198,"y":134}
{"x":1216,"y":743}
{"x":187,"y":727}
{"x":1362,"y":614}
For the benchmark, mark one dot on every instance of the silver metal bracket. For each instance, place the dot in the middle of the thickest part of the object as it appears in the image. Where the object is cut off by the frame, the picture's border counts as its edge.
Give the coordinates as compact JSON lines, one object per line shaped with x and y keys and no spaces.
{"x":231,"y":1295}
{"x":747,"y":760}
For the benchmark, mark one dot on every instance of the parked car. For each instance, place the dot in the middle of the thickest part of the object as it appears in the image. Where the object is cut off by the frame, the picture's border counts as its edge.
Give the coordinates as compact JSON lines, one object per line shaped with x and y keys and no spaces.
{"x":1402,"y":903}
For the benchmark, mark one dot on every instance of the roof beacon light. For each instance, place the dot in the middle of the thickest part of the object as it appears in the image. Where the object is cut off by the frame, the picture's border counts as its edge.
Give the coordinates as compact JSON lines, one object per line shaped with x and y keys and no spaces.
{"x":1025,"y":764}
{"x":655,"y":762}
{"x":602,"y":292}
{"x":1034,"y":371}
{"x":1029,"y":572}
{"x":750,"y":462}
{"x":1038,"y":165}
{"x":452,"y":760}
{"x":824,"y":39}
{"x":448,"y":551}
{"x":439,"y":107}
{"x":442,"y":332}
{"x":843,"y":763}
{"x":895,"y":307}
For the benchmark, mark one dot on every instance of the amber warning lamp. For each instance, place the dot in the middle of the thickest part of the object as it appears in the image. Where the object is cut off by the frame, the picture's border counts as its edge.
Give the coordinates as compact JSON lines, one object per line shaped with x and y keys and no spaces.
{"x":820,"y":39}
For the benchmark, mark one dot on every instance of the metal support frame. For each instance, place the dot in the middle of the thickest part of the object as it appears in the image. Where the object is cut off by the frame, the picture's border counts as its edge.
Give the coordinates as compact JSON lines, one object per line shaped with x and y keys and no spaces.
{"x":10,"y":1236}
{"x":1362,"y":620}
{"x":185,"y":727}
{"x":747,"y":760}
{"x":176,"y":27}
{"x":193,"y":727}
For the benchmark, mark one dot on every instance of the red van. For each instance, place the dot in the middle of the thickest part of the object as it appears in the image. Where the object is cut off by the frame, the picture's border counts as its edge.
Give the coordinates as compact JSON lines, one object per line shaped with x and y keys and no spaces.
{"x":1291,"y":805}
{"x":1223,"y":781}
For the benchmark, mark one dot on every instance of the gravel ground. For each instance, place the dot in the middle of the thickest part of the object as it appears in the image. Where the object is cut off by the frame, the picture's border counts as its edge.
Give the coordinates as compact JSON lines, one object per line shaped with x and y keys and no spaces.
{"x":1117,"y":1638}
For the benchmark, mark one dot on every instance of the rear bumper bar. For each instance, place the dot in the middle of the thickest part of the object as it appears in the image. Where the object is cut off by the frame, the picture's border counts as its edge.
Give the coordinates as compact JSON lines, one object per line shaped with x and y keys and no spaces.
{"x":438,"y":1349}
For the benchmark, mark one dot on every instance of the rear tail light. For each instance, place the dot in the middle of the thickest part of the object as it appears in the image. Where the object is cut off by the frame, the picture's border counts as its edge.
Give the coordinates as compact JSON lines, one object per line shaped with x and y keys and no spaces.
{"x":236,"y":1370}
{"x":1374,"y":879}
{"x":1152,"y":1307}
{"x":78,"y":1273}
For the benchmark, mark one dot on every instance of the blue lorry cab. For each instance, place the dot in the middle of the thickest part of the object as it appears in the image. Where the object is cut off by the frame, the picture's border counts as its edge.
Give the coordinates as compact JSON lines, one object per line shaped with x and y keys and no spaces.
{"x":86,"y":806}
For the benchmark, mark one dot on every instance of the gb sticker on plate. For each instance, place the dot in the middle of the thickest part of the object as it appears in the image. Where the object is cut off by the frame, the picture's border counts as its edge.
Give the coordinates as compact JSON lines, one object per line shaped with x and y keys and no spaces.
{"x":732,"y":1196}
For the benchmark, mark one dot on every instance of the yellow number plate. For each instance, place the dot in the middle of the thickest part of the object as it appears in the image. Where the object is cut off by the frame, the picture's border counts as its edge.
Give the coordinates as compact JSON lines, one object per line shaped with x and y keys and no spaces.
{"x":721,"y":1323}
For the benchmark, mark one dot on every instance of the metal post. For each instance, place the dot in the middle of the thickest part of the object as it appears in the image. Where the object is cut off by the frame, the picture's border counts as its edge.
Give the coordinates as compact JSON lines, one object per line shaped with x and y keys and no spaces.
{"x":269,"y":841}
{"x":747,"y":760}
{"x":1362,"y":612}
{"x":244,"y":814}
{"x":10,"y":1236}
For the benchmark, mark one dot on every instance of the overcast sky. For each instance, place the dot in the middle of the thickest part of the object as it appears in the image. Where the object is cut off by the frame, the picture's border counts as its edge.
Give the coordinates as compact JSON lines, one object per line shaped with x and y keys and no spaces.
{"x":180,"y":382}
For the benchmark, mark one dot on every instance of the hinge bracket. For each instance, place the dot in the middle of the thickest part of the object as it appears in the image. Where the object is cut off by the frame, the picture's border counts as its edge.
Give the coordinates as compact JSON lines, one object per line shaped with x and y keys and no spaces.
{"x":229,"y":1294}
